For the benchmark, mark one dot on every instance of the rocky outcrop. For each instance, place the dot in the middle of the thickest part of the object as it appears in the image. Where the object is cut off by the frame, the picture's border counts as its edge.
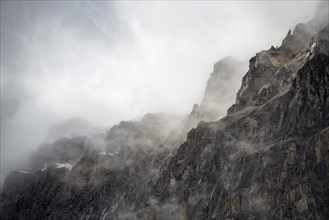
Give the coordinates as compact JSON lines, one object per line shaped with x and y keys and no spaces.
{"x":271,"y":72}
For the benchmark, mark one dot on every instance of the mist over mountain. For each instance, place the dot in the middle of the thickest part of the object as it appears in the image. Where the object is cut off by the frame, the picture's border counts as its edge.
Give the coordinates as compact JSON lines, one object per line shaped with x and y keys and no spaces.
{"x":74,"y":127}
{"x":98,"y":60}
{"x":218,"y":96}
{"x":255,"y":146}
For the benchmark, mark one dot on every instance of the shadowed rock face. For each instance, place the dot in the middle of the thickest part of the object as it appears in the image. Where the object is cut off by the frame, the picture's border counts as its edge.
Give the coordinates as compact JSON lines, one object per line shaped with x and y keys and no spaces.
{"x":267,"y":159}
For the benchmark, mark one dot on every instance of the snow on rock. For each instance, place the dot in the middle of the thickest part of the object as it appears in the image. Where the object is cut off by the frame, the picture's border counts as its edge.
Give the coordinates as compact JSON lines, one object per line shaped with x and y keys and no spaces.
{"x":44,"y":168}
{"x":106,"y":153}
{"x":63,"y":165}
{"x":58,"y":166}
{"x":313,"y":46}
{"x":23,"y":171}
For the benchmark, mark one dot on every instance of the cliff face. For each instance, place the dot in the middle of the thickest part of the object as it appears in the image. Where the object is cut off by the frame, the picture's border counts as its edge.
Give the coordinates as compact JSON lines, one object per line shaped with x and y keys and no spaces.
{"x":267,"y":159}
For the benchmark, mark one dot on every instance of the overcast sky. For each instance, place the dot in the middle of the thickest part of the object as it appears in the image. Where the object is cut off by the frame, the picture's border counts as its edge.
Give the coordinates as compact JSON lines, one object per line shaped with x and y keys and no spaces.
{"x":111,"y":61}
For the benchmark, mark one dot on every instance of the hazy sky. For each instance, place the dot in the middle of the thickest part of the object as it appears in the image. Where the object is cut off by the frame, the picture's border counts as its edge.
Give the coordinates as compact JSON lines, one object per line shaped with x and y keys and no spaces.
{"x":111,"y":61}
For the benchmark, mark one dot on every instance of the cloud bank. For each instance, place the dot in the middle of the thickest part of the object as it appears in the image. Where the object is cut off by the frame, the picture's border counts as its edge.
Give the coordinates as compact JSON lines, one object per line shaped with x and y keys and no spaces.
{"x":111,"y":61}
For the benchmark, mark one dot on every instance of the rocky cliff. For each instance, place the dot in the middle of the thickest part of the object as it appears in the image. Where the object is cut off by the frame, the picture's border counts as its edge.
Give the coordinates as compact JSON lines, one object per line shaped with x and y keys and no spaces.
{"x":267,"y":159}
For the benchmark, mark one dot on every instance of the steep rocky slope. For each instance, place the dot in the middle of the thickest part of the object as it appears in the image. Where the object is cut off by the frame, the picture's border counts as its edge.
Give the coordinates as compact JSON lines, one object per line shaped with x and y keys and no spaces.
{"x":267,"y":159}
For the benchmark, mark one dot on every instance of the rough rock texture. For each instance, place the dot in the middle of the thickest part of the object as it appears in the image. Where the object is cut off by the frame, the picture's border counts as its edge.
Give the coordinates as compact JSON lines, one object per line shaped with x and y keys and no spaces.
{"x":267,"y":159}
{"x":271,"y":72}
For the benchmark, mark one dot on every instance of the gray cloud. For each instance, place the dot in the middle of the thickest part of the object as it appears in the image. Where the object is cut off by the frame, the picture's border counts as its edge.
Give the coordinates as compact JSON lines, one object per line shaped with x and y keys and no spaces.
{"x":112,"y":61}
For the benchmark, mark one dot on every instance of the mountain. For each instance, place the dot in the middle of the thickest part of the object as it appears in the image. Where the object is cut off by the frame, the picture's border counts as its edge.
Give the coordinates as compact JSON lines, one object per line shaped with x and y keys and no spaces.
{"x":266,"y":159}
{"x":130,"y":154}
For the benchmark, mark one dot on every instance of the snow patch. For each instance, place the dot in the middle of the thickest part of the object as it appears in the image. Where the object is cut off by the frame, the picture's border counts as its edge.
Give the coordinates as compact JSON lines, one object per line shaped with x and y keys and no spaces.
{"x":44,"y":168}
{"x":312,"y":46}
{"x":63,"y":165}
{"x":58,"y":166}
{"x":308,"y":55}
{"x":23,"y":171}
{"x":106,"y":153}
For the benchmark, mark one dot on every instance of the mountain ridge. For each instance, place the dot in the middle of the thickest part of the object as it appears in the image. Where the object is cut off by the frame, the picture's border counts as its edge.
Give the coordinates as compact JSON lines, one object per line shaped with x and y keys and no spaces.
{"x":267,"y":159}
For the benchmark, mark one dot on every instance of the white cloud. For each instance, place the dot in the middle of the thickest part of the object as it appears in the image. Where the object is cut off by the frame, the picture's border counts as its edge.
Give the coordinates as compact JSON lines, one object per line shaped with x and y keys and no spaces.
{"x":112,"y":61}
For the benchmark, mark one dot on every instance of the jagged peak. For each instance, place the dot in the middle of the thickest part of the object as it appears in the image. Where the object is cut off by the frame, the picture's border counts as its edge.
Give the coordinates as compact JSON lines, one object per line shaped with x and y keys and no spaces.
{"x":268,"y":66}
{"x":229,"y":60}
{"x":195,"y":108}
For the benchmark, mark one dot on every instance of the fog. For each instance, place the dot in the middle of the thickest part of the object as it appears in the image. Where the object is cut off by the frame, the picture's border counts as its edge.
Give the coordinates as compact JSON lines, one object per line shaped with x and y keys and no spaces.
{"x":112,"y":61}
